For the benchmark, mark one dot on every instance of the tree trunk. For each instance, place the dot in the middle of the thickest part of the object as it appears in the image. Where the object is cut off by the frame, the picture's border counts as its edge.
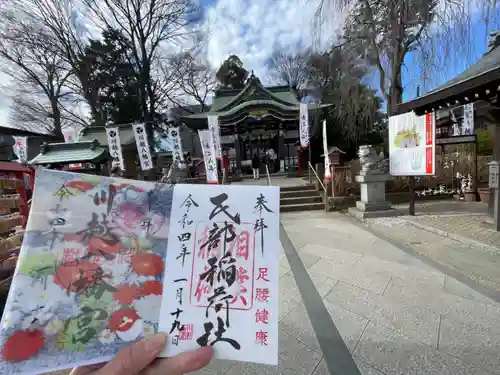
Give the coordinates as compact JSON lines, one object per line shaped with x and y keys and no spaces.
{"x":56,"y":118}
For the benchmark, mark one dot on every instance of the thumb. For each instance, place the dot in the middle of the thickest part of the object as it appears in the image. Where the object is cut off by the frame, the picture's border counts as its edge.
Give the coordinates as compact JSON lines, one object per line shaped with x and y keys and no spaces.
{"x":134,"y":358}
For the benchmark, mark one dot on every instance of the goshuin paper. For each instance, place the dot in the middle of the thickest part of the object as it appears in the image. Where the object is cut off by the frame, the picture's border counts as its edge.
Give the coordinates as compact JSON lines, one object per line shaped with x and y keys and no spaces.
{"x":222,"y":271}
{"x":90,"y":276}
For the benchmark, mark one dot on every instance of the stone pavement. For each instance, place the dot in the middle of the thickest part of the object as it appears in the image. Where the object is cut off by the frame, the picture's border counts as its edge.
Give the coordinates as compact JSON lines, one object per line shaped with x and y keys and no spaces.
{"x":352,"y":303}
{"x":395,"y":314}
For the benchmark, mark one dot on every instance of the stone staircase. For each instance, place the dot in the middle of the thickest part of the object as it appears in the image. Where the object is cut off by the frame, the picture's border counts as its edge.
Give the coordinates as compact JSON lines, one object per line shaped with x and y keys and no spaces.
{"x":300,"y":198}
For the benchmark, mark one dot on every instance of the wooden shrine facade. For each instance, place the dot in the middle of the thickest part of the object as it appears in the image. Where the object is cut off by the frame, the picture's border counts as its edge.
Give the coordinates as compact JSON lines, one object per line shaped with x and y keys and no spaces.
{"x":255,"y":119}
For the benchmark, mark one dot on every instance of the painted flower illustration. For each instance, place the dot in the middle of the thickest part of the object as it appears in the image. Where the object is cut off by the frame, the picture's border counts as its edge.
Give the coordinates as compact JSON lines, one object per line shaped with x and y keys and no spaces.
{"x":117,"y":272}
{"x":148,"y":307}
{"x":133,"y":332}
{"x":122,"y":320}
{"x":53,"y":327}
{"x":151,"y":288}
{"x":148,"y":329}
{"x":107,"y":336}
{"x":126,"y":293}
{"x":147,"y":264}
{"x":77,"y":276}
{"x":22,"y":345}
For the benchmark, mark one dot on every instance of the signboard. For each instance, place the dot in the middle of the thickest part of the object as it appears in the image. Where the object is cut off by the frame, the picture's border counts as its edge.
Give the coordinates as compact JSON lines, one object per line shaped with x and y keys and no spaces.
{"x":493,"y":175}
{"x":141,"y":141}
{"x":70,"y":135}
{"x":209,"y":156}
{"x":21,"y":148}
{"x":213,"y":128}
{"x":412,"y":145}
{"x":176,"y":144}
{"x":304,"y":125}
{"x":115,"y":147}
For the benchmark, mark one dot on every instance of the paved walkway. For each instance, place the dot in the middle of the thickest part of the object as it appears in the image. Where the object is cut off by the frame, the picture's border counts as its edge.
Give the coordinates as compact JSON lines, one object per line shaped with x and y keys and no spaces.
{"x":390,"y":311}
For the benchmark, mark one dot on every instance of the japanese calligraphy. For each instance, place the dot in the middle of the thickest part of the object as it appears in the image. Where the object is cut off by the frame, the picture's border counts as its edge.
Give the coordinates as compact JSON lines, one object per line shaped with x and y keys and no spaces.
{"x":225,"y":244}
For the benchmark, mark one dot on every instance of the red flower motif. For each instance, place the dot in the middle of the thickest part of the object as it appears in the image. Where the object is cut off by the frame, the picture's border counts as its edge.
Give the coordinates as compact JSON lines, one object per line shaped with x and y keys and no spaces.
{"x":122,"y":320}
{"x":98,"y":246}
{"x":126,"y":293}
{"x":22,"y":345}
{"x":151,"y":287}
{"x":83,"y":186}
{"x":76,"y":276}
{"x":147,"y":264}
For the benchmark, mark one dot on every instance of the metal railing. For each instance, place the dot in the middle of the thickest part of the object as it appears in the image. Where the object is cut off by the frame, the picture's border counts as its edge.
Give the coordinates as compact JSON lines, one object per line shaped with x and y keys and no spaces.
{"x":325,"y":191}
{"x":268,"y":176}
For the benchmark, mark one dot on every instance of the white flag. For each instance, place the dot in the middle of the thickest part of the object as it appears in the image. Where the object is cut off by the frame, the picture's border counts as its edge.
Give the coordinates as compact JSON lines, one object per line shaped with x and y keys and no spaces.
{"x":175,"y":141}
{"x":115,"y":147}
{"x":21,"y":148}
{"x":304,"y":125}
{"x":328,"y":173}
{"x":213,"y":127}
{"x":141,"y":141}
{"x":70,"y":135}
{"x":209,"y":156}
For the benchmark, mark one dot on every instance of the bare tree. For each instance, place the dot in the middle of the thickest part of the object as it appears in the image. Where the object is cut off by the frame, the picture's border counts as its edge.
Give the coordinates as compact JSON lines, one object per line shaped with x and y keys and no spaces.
{"x":289,"y":69}
{"x":36,"y":70}
{"x":40,"y":42}
{"x":193,"y":81}
{"x":149,"y":25}
{"x":385,"y":31}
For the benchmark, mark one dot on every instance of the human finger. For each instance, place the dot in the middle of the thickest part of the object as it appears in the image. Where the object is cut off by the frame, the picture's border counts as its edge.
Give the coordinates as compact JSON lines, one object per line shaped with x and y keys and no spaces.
{"x":84,"y":370}
{"x":134,"y":358}
{"x":181,"y":363}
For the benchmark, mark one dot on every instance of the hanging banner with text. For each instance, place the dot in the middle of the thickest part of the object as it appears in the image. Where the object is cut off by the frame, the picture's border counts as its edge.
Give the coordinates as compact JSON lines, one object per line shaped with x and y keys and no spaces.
{"x":304,"y":125}
{"x":412,"y":145}
{"x":115,"y":147}
{"x":213,"y":127}
{"x":70,"y":135}
{"x":174,"y":136}
{"x":21,"y":148}
{"x":209,"y":156}
{"x":328,"y":172}
{"x":143,"y":149}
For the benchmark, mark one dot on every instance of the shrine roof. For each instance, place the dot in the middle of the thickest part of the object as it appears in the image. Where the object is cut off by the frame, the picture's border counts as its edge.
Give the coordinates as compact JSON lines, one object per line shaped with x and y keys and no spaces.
{"x":476,"y":82}
{"x":229,"y":101}
{"x":99,"y":133}
{"x":76,"y":152}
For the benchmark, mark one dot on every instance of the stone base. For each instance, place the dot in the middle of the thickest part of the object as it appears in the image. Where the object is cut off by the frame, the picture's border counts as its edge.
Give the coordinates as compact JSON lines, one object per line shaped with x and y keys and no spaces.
{"x":373,"y":206}
{"x":362,"y":215}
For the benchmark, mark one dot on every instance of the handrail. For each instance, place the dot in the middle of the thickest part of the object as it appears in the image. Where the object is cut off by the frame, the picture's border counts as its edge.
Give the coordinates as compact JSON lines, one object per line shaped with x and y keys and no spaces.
{"x":325,"y":192}
{"x":317,"y":177}
{"x":268,"y":176}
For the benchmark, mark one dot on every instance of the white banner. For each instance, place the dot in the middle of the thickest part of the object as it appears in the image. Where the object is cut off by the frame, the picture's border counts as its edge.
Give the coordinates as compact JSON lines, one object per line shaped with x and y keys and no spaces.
{"x":115,"y":147}
{"x":213,"y":127}
{"x":304,"y":125}
{"x":328,"y":172}
{"x":21,"y":148}
{"x":143,"y":149}
{"x":412,"y":144}
{"x":468,"y":123}
{"x":176,"y":144}
{"x":209,"y":156}
{"x":70,"y":135}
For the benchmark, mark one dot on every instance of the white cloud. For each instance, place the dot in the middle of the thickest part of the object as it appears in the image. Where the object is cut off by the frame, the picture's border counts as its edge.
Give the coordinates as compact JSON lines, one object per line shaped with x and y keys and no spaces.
{"x":252,"y":29}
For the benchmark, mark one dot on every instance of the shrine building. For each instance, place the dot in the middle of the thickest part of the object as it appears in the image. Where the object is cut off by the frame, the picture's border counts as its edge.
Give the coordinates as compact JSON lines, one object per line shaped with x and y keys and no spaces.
{"x":255,"y":119}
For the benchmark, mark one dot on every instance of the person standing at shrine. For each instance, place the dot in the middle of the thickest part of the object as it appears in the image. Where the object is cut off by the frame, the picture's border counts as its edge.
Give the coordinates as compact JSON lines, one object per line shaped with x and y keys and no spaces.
{"x":255,"y":166}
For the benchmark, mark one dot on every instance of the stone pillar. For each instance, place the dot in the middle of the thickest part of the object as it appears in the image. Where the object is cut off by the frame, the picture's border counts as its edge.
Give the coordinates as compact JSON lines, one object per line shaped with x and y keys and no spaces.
{"x":281,"y":148}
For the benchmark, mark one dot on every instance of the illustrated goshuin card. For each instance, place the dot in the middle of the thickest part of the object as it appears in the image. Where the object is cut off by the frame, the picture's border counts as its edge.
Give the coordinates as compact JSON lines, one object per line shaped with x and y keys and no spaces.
{"x":222,"y":271}
{"x":90,"y":276}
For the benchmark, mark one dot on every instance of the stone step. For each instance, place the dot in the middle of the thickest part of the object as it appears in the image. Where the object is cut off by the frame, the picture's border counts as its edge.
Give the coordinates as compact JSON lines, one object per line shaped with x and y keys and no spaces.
{"x":299,"y":200}
{"x":298,"y":193}
{"x":297,"y":188}
{"x":302,"y":207}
